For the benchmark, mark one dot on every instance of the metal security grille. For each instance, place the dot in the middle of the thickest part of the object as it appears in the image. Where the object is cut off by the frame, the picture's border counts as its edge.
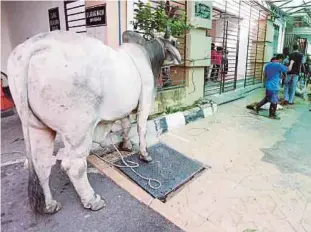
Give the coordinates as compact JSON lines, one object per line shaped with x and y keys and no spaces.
{"x":302,"y":44}
{"x":175,"y":76}
{"x":240,"y":57}
{"x":222,"y":76}
{"x":75,"y":16}
{"x":291,"y":39}
{"x":256,"y":46}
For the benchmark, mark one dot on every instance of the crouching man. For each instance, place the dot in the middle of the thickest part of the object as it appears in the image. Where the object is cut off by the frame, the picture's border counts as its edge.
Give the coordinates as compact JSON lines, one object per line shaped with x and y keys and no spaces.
{"x":272,"y":72}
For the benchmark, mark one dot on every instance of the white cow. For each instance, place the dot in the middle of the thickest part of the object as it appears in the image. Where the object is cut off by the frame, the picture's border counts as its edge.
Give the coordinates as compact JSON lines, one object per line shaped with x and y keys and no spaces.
{"x":74,"y":85}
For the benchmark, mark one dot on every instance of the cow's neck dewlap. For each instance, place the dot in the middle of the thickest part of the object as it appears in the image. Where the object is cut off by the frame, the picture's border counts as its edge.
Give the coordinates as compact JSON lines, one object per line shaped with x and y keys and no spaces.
{"x":155,"y":51}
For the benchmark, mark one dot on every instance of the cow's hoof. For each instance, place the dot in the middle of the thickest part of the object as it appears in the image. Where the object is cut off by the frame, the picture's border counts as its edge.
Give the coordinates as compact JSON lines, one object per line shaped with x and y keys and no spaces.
{"x":126,"y":146}
{"x":96,"y":204}
{"x":146,"y":158}
{"x":53,"y":207}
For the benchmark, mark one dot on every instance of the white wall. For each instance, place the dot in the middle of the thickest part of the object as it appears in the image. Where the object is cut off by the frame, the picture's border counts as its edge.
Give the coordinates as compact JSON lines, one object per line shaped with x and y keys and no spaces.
{"x":6,"y":44}
{"x":27,"y":18}
{"x":243,"y":49}
{"x":130,"y":14}
{"x":281,"y":25}
{"x":23,"y":19}
{"x":309,"y":48}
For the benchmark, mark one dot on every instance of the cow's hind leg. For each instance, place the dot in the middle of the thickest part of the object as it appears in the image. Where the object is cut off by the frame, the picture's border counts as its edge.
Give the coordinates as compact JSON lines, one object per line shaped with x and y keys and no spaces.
{"x":74,"y":162}
{"x":42,"y":144}
{"x":126,"y":127}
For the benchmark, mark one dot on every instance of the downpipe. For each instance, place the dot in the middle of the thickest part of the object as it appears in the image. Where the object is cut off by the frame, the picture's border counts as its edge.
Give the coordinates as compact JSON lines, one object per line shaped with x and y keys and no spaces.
{"x":119,"y":17}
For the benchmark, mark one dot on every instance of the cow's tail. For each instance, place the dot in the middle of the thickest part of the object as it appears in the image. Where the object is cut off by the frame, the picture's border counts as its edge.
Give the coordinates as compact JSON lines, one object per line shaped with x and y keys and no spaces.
{"x":18,"y":66}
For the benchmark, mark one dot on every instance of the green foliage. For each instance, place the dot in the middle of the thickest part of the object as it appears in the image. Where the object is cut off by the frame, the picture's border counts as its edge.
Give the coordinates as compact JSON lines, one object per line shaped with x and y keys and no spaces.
{"x":159,"y":19}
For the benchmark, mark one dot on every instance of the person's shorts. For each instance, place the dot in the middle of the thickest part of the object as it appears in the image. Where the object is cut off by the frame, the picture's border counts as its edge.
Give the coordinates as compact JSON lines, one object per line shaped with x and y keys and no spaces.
{"x":272,"y":96}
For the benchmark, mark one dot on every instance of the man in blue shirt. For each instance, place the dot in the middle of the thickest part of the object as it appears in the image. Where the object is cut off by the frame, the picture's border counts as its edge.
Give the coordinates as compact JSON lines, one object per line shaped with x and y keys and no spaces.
{"x":272,"y":71}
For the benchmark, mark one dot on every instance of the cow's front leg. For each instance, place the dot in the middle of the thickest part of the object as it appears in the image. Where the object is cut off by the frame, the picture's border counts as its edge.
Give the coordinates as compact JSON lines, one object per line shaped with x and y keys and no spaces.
{"x":126,"y":127}
{"x":142,"y":116}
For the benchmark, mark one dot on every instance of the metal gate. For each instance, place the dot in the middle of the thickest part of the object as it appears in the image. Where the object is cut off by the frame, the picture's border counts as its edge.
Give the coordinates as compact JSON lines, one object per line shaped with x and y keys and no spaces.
{"x":240,"y":66}
{"x":221,"y":76}
{"x":75,"y":16}
{"x":291,"y":39}
{"x":256,"y":46}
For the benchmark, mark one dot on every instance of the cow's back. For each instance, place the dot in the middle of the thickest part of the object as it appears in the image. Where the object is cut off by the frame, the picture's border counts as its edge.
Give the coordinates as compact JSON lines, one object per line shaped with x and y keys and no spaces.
{"x":71,"y":75}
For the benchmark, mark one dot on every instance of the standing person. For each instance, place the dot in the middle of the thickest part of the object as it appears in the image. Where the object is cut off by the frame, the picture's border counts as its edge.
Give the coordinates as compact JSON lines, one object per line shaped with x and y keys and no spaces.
{"x":272,"y":74}
{"x":308,"y":71}
{"x":209,"y":70}
{"x":295,"y":61}
{"x":286,"y":63}
{"x":226,"y":61}
{"x":218,"y":62}
{"x":286,"y":56}
{"x":213,"y":61}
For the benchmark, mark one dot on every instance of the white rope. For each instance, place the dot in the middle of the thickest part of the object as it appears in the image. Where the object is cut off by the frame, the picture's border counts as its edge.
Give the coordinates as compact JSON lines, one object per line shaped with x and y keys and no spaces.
{"x":127,"y":164}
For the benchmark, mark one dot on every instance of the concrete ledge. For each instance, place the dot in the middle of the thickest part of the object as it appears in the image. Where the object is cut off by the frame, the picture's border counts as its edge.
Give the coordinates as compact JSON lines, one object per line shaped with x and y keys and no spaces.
{"x":233,"y":95}
{"x":168,"y":122}
{"x":160,"y":125}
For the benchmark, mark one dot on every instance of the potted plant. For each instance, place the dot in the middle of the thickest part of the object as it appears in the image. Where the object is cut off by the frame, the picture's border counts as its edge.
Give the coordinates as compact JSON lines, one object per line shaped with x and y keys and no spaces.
{"x":169,"y":21}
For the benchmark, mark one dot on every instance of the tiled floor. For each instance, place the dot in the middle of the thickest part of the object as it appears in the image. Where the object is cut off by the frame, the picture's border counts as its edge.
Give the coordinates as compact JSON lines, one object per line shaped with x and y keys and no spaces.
{"x":241,"y":192}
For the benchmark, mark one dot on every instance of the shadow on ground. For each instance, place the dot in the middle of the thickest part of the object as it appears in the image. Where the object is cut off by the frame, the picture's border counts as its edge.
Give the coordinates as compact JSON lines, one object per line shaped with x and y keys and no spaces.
{"x":294,"y":153}
{"x":123,"y":212}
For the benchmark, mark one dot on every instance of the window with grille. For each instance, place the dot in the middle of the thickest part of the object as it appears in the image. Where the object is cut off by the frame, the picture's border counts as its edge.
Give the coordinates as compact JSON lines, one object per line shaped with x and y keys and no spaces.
{"x":170,"y":77}
{"x":75,"y":16}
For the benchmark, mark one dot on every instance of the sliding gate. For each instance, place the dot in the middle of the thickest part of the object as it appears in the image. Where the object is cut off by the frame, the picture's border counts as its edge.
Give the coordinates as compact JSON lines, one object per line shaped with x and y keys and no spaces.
{"x":238,"y":29}
{"x":225,"y":36}
{"x":256,"y":46}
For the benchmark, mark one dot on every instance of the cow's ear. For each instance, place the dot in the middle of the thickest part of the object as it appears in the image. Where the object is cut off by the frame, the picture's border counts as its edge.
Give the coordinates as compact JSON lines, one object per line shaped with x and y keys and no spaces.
{"x":132,"y":37}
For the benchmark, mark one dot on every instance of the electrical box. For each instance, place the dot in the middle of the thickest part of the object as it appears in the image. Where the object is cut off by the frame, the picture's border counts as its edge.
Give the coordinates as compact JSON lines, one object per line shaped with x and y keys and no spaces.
{"x":200,"y":13}
{"x":198,"y":48}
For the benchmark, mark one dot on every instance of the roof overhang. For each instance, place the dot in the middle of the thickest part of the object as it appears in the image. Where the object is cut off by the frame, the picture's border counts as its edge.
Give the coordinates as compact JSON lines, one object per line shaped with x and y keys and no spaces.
{"x":292,"y":10}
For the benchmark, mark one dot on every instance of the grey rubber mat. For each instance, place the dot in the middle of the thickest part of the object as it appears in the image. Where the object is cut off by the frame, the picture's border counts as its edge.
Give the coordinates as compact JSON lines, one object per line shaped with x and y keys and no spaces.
{"x":169,"y":166}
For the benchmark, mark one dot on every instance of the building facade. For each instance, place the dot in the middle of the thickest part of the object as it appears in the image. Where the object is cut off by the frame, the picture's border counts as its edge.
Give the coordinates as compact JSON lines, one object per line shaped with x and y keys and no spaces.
{"x":243,"y":29}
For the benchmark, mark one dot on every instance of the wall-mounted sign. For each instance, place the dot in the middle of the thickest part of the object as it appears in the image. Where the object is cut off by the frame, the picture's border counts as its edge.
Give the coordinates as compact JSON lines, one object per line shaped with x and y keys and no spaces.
{"x":202,"y":10}
{"x":54,"y":19}
{"x":95,"y":16}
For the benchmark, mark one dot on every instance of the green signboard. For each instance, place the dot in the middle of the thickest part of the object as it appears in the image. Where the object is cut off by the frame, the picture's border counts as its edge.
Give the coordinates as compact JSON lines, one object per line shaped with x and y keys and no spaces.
{"x":202,"y":11}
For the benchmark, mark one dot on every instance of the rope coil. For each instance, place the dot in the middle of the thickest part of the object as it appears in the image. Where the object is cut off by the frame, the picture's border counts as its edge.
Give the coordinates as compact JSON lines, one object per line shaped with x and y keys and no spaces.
{"x":129,"y":164}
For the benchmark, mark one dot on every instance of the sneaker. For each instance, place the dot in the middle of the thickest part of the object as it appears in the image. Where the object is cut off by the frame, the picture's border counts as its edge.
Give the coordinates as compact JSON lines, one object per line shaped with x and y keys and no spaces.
{"x":291,"y":103}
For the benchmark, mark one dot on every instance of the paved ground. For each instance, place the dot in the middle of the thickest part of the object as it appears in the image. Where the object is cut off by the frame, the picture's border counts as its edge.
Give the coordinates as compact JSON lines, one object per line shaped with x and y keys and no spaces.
{"x":260,"y":176}
{"x":123,"y":212}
